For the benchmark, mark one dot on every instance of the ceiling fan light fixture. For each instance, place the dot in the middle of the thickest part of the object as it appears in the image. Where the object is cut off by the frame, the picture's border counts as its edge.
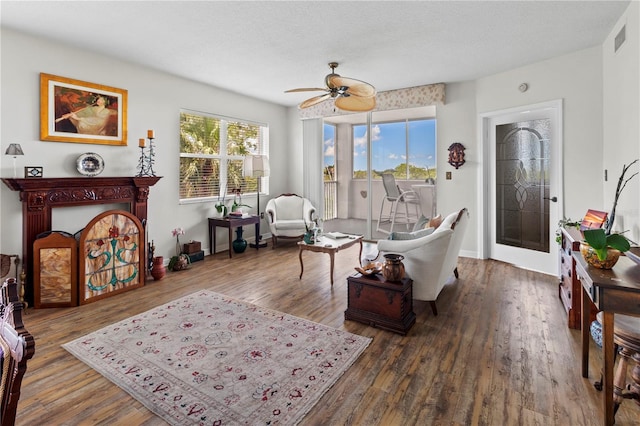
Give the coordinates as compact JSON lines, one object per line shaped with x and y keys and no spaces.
{"x":349,"y":94}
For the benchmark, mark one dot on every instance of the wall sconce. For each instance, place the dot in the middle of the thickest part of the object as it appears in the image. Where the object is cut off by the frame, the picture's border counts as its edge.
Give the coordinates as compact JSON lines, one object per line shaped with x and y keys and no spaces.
{"x":456,"y":155}
{"x":14,"y":149}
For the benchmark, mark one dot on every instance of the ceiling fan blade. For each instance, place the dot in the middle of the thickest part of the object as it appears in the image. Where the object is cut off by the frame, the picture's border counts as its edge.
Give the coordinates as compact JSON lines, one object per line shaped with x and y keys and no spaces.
{"x":355,"y":87}
{"x":355,"y":103}
{"x":315,"y":100}
{"x":306,"y":89}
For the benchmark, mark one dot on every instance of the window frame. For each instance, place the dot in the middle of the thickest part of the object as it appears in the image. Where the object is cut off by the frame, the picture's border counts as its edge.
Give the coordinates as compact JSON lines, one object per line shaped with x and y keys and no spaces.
{"x":224,"y":159}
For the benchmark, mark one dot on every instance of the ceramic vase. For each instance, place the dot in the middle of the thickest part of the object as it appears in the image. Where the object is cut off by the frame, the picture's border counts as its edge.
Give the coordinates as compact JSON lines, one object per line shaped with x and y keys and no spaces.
{"x":239,"y":244}
{"x":158,"y":271}
{"x":308,"y":237}
{"x":591,"y":257}
{"x":393,"y":268}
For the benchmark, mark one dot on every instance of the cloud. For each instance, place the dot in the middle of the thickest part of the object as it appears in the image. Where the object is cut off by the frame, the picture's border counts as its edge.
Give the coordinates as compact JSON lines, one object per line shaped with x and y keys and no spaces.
{"x":375,"y":135}
{"x":330,"y":151}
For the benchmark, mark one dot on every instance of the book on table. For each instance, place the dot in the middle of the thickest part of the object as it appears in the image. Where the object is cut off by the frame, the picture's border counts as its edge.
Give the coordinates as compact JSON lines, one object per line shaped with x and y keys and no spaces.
{"x":239,"y":214}
{"x":336,"y":235}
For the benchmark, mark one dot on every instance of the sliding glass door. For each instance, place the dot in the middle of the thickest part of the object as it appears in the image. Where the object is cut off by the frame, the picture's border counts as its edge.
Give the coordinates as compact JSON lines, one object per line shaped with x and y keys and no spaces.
{"x":359,"y":149}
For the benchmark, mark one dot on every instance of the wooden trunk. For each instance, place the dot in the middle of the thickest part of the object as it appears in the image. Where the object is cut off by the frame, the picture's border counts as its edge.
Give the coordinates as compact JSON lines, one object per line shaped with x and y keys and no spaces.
{"x":374,"y":301}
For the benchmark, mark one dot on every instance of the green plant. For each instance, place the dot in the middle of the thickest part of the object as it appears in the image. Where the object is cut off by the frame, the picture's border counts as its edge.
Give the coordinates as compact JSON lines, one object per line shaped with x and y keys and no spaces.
{"x":608,"y":226}
{"x":221,"y":207}
{"x":565,"y":223}
{"x":235,"y":206}
{"x":600,"y":242}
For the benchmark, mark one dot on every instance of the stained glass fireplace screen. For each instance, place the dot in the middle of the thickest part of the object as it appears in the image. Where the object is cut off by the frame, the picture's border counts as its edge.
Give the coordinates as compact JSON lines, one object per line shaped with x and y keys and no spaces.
{"x":111,"y":255}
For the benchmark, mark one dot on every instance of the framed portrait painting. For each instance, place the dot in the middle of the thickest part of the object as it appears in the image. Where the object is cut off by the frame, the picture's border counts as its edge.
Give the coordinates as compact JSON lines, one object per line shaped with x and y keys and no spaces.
{"x":81,"y":112}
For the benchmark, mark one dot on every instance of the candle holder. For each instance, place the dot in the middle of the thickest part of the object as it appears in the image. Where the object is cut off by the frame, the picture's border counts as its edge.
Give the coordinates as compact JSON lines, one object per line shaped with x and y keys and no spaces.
{"x":147,"y":158}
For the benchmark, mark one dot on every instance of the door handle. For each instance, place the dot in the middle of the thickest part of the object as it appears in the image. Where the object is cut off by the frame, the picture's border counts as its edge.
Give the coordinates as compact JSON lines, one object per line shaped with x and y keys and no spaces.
{"x":554,"y":199}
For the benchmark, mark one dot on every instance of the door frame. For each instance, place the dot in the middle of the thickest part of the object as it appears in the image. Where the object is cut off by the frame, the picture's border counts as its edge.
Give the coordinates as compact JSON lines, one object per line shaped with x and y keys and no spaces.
{"x":484,"y":172}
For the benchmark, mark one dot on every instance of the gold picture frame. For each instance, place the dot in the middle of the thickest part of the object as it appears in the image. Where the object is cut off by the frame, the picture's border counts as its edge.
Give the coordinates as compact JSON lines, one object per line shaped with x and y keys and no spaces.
{"x":82,"y":112}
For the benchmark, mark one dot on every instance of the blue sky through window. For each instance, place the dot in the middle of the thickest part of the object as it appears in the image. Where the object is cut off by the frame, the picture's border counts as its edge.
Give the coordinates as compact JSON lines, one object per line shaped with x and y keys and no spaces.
{"x":390,"y":148}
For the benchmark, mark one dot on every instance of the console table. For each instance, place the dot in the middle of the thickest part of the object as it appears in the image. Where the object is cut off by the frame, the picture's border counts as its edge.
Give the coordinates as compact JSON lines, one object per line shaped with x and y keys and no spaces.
{"x":40,"y":195}
{"x":569,"y":288}
{"x":230,"y":222}
{"x":614,"y":291}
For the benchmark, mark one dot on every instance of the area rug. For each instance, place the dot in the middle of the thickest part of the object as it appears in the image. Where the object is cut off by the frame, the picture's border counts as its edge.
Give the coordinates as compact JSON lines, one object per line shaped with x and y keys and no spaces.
{"x":211,"y":360}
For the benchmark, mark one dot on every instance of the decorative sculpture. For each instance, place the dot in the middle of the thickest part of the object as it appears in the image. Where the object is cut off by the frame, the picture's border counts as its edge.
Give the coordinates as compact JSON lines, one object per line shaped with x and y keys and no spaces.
{"x":456,"y":155}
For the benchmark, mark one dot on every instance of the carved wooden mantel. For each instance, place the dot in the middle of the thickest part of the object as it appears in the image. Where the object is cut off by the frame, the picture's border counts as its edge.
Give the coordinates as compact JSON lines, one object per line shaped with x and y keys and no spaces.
{"x":40,"y":195}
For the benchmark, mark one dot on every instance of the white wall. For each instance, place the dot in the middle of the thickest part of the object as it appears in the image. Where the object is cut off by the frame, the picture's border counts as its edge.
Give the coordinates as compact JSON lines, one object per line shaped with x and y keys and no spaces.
{"x":621,"y":120}
{"x":577,"y":79}
{"x":457,"y":123}
{"x":155,"y":99}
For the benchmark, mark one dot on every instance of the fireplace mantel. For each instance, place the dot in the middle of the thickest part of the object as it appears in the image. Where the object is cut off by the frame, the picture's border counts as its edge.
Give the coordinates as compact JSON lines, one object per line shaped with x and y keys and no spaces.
{"x":40,"y":195}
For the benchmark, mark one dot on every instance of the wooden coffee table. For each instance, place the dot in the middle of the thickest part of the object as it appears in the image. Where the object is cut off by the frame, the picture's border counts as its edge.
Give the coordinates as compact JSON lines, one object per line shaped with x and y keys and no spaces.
{"x":331,"y":247}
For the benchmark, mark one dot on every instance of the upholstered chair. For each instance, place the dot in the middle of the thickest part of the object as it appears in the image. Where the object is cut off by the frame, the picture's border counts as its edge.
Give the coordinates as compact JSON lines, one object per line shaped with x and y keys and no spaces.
{"x":430,"y":256}
{"x":287,"y":216}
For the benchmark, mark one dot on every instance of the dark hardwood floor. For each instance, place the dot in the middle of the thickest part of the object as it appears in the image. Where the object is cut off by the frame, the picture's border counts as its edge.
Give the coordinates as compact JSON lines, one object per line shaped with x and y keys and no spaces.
{"x":498,"y":353}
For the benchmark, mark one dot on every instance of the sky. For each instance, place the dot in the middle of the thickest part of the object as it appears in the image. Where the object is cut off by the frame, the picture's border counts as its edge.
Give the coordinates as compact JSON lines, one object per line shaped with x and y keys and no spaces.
{"x":389,"y":145}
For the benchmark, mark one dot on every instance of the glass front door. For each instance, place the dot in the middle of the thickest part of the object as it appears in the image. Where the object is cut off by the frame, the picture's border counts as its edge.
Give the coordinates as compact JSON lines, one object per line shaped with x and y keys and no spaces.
{"x":524,"y":181}
{"x":522,"y":184}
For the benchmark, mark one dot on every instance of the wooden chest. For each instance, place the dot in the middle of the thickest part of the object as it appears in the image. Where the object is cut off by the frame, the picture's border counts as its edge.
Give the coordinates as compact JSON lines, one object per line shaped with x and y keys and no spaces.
{"x":382,"y":304}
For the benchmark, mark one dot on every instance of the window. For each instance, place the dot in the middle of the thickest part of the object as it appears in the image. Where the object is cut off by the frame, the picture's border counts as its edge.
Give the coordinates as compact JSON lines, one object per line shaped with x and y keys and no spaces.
{"x":329,"y":152}
{"x":212,"y":150}
{"x":405,"y":148}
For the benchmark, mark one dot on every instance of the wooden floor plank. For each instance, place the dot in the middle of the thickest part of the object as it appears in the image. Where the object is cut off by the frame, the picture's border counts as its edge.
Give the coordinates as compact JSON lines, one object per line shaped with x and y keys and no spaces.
{"x":498,"y":353}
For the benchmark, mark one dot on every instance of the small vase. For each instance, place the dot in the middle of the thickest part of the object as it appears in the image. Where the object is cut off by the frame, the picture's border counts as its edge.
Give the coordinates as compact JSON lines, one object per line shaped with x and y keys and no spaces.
{"x":393,"y":268}
{"x":591,"y":257}
{"x":308,"y":238}
{"x":239,"y":244}
{"x":158,"y":271}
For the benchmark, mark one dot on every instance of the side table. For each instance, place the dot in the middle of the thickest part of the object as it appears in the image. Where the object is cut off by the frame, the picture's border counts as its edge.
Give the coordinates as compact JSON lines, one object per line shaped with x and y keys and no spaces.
{"x":374,"y":301}
{"x":230,"y":223}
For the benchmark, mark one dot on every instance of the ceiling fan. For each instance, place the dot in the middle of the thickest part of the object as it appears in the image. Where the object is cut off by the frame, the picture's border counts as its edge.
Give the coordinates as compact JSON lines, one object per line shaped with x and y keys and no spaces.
{"x":349,"y":94}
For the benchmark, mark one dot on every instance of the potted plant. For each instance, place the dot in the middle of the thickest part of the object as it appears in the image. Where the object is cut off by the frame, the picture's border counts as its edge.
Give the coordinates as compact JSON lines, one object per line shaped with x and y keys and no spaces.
{"x":237,"y":201}
{"x":602,"y":250}
{"x":181,"y":260}
{"x":221,"y":206}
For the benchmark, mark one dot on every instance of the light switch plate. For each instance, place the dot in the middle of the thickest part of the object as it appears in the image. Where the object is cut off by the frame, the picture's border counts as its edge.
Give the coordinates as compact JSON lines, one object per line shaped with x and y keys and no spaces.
{"x":448,"y":175}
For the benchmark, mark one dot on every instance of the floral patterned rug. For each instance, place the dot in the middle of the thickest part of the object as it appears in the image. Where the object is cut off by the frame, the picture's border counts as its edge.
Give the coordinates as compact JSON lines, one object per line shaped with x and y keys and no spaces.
{"x":211,"y":360}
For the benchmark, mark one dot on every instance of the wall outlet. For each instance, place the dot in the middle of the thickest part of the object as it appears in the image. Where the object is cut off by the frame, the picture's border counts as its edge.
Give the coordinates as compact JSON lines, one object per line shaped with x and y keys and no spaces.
{"x":448,"y":175}
{"x":261,"y":215}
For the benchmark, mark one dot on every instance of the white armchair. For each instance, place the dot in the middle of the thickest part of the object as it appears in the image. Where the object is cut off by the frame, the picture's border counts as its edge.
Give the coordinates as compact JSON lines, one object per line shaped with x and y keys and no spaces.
{"x":432,"y":259}
{"x":288,"y":214}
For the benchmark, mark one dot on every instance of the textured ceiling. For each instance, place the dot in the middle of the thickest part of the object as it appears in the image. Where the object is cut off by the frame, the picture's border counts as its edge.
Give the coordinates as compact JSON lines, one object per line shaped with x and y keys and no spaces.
{"x":263,"y":48}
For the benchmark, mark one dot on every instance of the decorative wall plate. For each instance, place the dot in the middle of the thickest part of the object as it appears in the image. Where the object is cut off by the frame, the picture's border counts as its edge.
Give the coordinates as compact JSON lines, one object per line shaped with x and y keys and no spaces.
{"x":33,"y":172}
{"x":90,"y":164}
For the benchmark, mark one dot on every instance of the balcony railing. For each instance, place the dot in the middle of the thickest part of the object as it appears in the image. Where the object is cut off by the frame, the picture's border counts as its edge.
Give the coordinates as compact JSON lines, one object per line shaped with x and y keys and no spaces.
{"x":330,"y":200}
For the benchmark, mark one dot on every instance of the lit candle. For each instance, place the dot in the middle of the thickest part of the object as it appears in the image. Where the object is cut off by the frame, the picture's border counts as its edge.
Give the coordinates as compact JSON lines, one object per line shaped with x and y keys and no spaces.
{"x":150,"y":134}
{"x":141,"y":143}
